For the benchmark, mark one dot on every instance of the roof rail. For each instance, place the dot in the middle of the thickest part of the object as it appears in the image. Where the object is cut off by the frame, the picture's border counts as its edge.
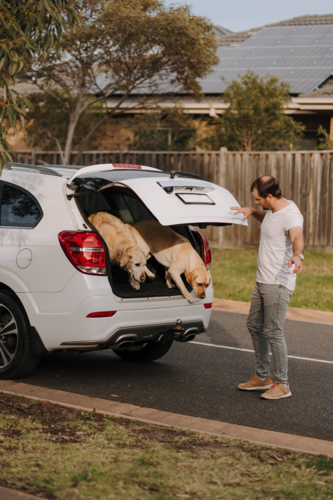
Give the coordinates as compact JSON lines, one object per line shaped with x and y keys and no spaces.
{"x":37,"y":168}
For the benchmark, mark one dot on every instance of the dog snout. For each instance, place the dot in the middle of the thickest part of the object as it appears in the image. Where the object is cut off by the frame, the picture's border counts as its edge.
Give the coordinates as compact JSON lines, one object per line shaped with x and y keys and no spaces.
{"x":143,"y":277}
{"x":203,"y":296}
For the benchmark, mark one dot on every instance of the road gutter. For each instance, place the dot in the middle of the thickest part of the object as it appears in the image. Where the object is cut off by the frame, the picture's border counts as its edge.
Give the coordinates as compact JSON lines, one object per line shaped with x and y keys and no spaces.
{"x":157,"y":417}
{"x":293,"y":313}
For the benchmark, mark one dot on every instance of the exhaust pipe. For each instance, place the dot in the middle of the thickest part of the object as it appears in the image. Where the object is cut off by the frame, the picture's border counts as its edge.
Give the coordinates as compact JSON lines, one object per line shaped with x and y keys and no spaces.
{"x":178,"y":333}
{"x":125,"y":342}
{"x":189,"y":335}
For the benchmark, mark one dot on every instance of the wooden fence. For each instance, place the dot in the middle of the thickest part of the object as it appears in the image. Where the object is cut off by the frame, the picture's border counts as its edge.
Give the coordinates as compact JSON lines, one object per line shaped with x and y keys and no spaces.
{"x":305,"y":177}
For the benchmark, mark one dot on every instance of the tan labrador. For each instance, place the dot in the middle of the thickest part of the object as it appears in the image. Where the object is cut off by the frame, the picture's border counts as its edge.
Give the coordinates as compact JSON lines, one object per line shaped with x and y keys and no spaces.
{"x":123,"y":248}
{"x":176,"y":254}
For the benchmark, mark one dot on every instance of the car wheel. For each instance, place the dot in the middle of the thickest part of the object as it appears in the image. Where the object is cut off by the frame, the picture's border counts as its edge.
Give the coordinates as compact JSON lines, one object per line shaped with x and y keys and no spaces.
{"x":16,"y":354}
{"x":143,"y":354}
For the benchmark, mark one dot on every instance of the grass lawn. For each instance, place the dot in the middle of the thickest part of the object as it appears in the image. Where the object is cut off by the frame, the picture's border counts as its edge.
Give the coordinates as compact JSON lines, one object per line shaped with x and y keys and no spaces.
{"x":64,"y":454}
{"x":234,"y":272}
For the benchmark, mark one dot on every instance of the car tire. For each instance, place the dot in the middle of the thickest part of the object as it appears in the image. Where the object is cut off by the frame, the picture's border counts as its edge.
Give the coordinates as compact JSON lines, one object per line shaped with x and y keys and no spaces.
{"x":149,"y":352}
{"x":17,"y":358}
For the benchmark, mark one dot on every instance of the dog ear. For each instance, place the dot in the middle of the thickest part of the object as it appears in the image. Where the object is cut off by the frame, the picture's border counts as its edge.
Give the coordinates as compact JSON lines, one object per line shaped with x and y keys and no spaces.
{"x":124,"y":259}
{"x":191,"y":276}
{"x":95,"y":220}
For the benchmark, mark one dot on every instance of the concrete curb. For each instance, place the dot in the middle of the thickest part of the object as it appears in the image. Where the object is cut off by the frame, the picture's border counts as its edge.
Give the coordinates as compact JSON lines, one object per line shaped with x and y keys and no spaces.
{"x":293,"y":313}
{"x":152,"y":416}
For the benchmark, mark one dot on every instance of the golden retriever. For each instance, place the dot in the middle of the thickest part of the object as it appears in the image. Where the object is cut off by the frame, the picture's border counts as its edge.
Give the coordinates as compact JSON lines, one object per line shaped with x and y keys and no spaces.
{"x":176,"y":254}
{"x":122,"y":246}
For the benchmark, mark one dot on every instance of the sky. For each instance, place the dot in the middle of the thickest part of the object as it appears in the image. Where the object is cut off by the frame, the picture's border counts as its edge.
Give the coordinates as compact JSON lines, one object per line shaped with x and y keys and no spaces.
{"x":240,"y":15}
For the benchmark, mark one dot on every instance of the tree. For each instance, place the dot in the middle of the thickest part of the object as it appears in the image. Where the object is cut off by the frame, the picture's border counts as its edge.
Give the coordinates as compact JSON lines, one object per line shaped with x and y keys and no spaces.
{"x":45,"y":122}
{"x":125,"y":48}
{"x":255,"y":119}
{"x":165,"y":130}
{"x":325,"y":140}
{"x":27,"y":26}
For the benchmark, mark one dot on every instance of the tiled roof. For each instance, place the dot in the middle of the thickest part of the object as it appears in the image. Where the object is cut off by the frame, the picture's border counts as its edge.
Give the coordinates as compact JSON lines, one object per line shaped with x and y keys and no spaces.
{"x":220,"y":31}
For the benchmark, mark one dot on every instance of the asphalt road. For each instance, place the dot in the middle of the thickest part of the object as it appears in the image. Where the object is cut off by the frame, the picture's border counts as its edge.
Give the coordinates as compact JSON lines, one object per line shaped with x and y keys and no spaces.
{"x":201,"y":380}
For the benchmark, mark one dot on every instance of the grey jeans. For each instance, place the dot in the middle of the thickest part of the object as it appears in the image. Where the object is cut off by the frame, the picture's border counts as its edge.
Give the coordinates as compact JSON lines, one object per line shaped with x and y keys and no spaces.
{"x":265,"y":323}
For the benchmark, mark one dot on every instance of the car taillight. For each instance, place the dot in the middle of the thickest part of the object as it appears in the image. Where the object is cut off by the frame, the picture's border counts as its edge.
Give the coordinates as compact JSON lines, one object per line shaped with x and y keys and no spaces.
{"x":207,"y":252}
{"x":102,"y":314}
{"x":84,"y":250}
{"x":208,"y":306}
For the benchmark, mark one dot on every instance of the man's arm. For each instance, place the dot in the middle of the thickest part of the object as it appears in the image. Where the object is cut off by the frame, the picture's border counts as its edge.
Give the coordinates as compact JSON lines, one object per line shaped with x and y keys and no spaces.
{"x":297,"y":238}
{"x":247,"y":211}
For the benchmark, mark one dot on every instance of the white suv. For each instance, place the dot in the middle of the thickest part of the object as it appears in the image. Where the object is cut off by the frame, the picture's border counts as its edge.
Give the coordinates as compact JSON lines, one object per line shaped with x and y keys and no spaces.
{"x":58,"y":289}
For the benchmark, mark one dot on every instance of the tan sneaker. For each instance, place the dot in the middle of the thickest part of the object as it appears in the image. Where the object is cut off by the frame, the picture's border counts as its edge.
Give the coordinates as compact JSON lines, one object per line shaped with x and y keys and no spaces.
{"x":277,"y":391}
{"x":256,"y":384}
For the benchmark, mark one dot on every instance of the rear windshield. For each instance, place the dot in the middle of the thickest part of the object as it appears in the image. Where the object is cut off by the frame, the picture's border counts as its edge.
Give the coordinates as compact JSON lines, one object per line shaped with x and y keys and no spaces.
{"x":120,"y":202}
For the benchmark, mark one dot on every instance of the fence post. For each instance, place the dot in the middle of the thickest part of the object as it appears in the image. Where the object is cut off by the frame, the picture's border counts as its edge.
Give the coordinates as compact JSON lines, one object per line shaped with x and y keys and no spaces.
{"x":222,"y":177}
{"x":222,"y":181}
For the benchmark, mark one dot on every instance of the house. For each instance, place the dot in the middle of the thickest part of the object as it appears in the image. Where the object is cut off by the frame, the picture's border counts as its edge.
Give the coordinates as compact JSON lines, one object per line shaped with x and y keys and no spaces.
{"x":298,"y":51}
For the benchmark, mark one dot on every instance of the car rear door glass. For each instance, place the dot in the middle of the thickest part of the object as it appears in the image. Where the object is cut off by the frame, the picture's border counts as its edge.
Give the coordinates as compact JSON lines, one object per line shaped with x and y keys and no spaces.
{"x":18,"y":207}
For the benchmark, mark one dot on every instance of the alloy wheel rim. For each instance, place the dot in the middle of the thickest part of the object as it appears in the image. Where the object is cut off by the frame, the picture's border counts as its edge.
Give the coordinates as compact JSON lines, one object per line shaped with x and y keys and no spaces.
{"x":8,"y":336}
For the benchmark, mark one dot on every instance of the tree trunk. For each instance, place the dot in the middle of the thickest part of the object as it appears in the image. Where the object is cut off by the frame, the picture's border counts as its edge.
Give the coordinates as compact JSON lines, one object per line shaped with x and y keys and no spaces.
{"x":71,"y":128}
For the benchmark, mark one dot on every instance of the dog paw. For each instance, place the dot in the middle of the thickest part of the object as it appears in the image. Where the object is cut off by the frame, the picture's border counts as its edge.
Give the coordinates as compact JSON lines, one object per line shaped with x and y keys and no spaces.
{"x":135,"y":285}
{"x":190,"y":299}
{"x":151,"y":276}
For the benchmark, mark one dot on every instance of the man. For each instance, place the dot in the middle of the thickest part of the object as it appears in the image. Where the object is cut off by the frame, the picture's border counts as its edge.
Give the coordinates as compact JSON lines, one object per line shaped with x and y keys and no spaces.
{"x":280,"y":259}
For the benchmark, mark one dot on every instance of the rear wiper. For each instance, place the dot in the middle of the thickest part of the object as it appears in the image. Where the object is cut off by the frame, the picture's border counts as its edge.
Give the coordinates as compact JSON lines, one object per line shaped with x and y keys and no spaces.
{"x":183,"y":174}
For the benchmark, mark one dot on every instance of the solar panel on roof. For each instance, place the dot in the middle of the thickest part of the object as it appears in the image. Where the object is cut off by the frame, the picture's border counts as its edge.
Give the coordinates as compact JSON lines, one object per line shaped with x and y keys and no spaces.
{"x":327,"y":41}
{"x":309,"y":74}
{"x":270,"y":52}
{"x":261,"y":42}
{"x":237,"y":53}
{"x":303,"y":41}
{"x":279,"y":30}
{"x":327,"y":61}
{"x":300,"y":55}
{"x":300,"y":62}
{"x":314,"y":52}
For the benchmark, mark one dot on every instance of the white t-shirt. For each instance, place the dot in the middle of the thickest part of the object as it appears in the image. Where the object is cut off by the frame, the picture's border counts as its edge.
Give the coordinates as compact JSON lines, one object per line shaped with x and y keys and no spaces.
{"x":275,"y":247}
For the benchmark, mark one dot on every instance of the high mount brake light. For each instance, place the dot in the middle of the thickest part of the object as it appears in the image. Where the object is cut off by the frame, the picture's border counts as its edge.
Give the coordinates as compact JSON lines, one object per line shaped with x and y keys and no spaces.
{"x":127,"y":165}
{"x":85,"y":251}
{"x":207,"y":252}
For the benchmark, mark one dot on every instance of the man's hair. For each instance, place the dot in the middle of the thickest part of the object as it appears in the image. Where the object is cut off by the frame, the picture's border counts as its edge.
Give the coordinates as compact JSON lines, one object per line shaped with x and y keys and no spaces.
{"x":265,"y":185}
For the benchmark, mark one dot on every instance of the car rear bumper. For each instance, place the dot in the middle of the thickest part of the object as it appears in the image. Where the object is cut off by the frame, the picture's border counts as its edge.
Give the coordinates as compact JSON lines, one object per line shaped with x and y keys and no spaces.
{"x":125,"y":337}
{"x":61,"y":318}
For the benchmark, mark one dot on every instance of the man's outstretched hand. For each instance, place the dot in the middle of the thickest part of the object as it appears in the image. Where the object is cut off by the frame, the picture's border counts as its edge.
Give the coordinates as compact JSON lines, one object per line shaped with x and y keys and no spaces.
{"x":247,"y":211}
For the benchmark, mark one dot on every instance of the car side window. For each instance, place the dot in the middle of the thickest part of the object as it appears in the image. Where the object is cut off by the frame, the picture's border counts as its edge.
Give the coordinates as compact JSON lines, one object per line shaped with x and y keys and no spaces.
{"x":18,"y":207}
